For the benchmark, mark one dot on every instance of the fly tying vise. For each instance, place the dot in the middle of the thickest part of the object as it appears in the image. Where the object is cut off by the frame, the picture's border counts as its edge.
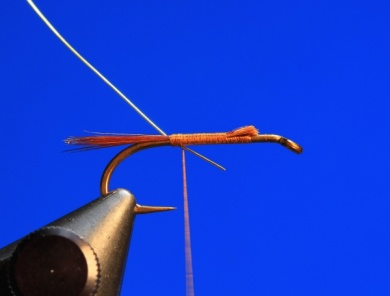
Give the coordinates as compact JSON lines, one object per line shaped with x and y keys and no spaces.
{"x":248,"y":134}
{"x":243,"y":135}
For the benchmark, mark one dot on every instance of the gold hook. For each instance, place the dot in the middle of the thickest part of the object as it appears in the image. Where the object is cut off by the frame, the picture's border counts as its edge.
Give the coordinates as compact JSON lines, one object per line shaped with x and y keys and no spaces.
{"x":106,"y":177}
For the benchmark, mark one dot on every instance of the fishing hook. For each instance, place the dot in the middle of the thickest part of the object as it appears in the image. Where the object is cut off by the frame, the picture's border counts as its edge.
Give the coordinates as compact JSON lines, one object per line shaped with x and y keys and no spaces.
{"x":125,"y":153}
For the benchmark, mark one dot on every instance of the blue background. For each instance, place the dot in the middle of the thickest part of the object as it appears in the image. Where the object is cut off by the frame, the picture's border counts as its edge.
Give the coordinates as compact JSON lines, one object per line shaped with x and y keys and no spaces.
{"x":274,"y":223}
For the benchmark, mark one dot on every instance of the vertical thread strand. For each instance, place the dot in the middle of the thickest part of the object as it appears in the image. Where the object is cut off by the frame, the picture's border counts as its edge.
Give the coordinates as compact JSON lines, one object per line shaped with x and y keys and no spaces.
{"x":187,"y":235}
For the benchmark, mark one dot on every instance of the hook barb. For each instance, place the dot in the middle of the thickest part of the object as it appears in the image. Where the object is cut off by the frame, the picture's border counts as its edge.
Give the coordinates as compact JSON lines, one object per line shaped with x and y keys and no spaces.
{"x":151,"y":209}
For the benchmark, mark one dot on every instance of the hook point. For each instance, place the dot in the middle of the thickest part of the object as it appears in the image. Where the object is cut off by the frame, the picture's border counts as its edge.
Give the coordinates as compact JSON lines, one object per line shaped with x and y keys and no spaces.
{"x":139,"y":209}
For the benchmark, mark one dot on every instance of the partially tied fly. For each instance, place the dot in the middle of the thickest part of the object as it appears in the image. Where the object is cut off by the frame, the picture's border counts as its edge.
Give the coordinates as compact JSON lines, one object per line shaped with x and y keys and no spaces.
{"x":243,"y":135}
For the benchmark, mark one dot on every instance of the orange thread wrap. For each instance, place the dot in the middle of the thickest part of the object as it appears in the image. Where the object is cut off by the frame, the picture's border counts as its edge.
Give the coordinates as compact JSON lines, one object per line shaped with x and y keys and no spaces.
{"x":239,"y":136}
{"x":194,"y":139}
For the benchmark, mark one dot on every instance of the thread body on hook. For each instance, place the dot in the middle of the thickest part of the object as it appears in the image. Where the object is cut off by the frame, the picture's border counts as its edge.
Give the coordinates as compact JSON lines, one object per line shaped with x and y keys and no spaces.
{"x":244,"y":135}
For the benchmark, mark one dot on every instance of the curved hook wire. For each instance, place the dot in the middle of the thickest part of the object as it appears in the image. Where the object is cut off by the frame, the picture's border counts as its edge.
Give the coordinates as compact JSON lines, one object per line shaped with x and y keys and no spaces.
{"x":106,"y":177}
{"x":112,"y":165}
